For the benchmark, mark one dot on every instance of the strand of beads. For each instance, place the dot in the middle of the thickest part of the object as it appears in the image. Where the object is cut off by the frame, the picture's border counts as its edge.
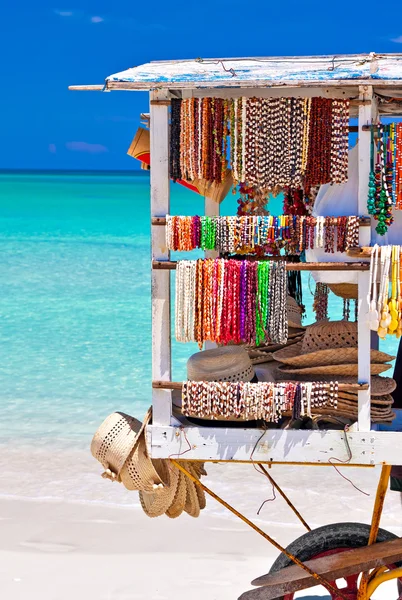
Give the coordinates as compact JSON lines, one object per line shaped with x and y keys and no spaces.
{"x":249,"y":233}
{"x":225,"y":301}
{"x":320,"y":304}
{"x":276,"y":143}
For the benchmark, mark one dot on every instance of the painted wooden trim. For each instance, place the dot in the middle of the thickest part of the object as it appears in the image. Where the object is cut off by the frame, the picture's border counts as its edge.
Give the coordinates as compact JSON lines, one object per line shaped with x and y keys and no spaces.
{"x":367,"y":113}
{"x":250,"y":84}
{"x":274,"y":445}
{"x":160,"y":204}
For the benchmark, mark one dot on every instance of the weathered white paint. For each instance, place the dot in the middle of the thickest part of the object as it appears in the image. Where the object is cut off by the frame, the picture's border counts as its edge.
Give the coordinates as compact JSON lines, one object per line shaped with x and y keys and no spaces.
{"x":160,"y":206}
{"x":277,"y":445}
{"x":263,"y":71}
{"x":366,"y":114}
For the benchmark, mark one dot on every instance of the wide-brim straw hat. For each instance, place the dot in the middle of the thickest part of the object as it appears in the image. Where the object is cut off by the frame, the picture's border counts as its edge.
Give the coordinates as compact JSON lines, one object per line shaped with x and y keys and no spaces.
{"x":293,"y":355}
{"x":294,"y":313}
{"x":347,"y":291}
{"x":157,"y":502}
{"x":335,"y":370}
{"x":179,"y":500}
{"x":119,"y":445}
{"x":226,"y":363}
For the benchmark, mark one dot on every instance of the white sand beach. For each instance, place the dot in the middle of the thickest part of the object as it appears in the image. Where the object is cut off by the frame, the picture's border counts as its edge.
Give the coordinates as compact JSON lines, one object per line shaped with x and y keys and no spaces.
{"x":58,"y":549}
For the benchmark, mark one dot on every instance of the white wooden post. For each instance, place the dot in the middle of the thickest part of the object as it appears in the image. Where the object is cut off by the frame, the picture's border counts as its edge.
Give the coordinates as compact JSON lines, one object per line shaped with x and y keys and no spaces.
{"x":160,"y":205}
{"x":366,"y":113}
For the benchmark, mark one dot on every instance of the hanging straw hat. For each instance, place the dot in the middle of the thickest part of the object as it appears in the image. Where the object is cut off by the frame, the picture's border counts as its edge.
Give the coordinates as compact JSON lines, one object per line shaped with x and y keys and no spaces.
{"x":294,"y":313}
{"x":157,"y":502}
{"x":294,"y":356}
{"x":334,"y":369}
{"x":119,"y":445}
{"x":179,"y":501}
{"x":226,"y":363}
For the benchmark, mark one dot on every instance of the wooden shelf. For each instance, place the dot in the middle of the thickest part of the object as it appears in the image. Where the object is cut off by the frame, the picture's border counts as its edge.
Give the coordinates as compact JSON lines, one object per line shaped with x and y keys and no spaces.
{"x":170,"y":265}
{"x":177,"y":385}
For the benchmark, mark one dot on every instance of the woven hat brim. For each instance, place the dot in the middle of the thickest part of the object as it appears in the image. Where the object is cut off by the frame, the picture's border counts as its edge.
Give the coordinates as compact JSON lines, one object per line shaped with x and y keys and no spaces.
{"x":292,"y":355}
{"x":138,"y":472}
{"x":335,"y":370}
{"x":380,"y":386}
{"x":116,"y":438}
{"x":192,"y":506}
{"x":179,"y":500}
{"x":295,"y":325}
{"x":157,"y":503}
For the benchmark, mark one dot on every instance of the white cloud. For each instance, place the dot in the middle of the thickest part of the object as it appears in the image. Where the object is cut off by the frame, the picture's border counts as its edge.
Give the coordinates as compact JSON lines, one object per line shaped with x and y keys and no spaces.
{"x":86,"y":147}
{"x":63,"y":13}
{"x":397,"y":40}
{"x":97,"y":19}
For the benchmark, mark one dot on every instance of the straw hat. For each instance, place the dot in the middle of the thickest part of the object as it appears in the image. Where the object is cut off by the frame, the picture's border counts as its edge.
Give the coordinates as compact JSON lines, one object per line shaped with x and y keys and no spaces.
{"x":324,"y":335}
{"x":294,"y":313}
{"x":226,"y":363}
{"x":294,"y":355}
{"x":179,"y":500}
{"x":333,"y":369}
{"x":119,"y":445}
{"x":157,"y":502}
{"x":192,"y":506}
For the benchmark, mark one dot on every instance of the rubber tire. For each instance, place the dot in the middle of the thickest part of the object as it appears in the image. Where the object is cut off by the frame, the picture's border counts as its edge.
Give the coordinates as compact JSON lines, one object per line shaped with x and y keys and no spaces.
{"x":329,"y":537}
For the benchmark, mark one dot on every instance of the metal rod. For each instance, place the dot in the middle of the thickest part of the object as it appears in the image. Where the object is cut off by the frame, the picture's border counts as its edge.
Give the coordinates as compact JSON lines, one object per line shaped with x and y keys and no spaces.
{"x":334,"y":266}
{"x":376,"y":581}
{"x":178,"y":385}
{"x":293,"y":558}
{"x":364,"y":221}
{"x":375,"y":523}
{"x":284,"y":496}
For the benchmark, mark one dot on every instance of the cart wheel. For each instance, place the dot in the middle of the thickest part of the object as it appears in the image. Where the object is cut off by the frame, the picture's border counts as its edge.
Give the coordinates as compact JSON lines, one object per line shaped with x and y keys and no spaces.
{"x":327,"y":540}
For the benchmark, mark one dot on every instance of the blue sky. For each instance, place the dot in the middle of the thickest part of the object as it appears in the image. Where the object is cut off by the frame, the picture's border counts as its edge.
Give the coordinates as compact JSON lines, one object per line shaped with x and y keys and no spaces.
{"x":45,"y":46}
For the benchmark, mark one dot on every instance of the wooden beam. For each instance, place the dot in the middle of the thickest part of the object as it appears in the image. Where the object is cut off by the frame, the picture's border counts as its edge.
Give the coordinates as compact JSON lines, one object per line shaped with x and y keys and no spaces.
{"x":177,"y":385}
{"x":86,"y":88}
{"x":363,"y":221}
{"x":367,"y":115}
{"x":170,"y":265}
{"x":249,"y":84}
{"x":293,"y":578}
{"x":160,"y":283}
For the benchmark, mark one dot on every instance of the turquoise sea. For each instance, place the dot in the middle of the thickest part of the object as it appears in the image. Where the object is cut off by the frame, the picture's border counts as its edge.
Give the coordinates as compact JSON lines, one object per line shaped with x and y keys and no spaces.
{"x":75,"y":324}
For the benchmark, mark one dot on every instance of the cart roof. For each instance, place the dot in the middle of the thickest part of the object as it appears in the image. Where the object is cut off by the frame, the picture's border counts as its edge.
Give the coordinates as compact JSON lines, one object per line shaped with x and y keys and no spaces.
{"x":354,"y":69}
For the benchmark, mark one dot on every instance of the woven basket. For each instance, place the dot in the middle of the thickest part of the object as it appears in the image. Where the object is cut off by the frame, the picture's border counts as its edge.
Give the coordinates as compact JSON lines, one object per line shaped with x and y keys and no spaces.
{"x":347,"y":291}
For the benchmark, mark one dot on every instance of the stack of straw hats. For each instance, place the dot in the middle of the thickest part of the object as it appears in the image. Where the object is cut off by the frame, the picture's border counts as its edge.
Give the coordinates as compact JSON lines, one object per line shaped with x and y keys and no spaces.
{"x":263,"y":354}
{"x":328,"y":352}
{"x":119,"y":445}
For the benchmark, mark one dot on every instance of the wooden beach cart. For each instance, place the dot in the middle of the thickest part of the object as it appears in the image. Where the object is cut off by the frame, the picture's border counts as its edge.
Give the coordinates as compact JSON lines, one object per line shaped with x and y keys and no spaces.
{"x":373,"y":84}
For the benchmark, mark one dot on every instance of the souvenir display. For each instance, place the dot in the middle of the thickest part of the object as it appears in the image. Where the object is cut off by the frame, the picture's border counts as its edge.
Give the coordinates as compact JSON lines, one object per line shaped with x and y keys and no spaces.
{"x":385,"y":180}
{"x":225,"y":301}
{"x":385,"y":310}
{"x":262,"y":400}
{"x":249,"y":233}
{"x":275,"y":143}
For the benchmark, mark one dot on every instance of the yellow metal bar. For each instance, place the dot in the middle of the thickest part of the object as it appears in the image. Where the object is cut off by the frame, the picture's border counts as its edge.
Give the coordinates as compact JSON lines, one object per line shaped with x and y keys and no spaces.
{"x":272,"y":463}
{"x":284,"y":496}
{"x":376,"y":581}
{"x":298,"y":562}
{"x":375,"y":523}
